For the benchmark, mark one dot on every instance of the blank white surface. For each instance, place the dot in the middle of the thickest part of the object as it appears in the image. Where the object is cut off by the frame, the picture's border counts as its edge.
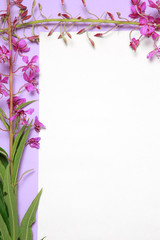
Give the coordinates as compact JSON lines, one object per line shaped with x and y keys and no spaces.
{"x":100,"y":154}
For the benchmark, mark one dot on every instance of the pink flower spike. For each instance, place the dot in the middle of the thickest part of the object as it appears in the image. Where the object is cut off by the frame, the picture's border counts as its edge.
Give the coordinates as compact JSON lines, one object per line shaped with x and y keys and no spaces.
{"x":134,"y":43}
{"x":38,"y":125}
{"x":34,"y":142}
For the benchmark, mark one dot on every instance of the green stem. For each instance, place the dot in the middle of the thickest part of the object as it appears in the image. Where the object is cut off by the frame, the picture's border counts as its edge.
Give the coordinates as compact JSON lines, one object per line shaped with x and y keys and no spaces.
{"x":75,"y":20}
{"x":11,"y":86}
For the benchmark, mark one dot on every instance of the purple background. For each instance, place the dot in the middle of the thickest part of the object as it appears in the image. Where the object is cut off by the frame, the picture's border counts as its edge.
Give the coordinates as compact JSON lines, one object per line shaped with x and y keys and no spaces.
{"x":28,"y":187}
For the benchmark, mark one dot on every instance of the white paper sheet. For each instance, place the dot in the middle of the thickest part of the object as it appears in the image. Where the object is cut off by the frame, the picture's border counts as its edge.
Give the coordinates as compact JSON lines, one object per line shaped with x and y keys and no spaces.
{"x":100,"y":154}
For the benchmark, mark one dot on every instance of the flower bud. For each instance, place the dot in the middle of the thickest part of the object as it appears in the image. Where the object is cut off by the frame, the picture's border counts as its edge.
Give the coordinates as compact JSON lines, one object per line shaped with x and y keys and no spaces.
{"x":135,"y":2}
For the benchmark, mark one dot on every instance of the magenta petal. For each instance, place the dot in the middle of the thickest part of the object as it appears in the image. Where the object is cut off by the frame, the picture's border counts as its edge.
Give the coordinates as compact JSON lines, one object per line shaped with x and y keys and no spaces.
{"x":30,"y":111}
{"x":26,"y":49}
{"x":34,"y":59}
{"x":143,"y":30}
{"x":155,"y":36}
{"x":5,"y":80}
{"x":142,"y":21}
{"x":29,"y":87}
{"x":5,"y":93}
{"x":133,"y":9}
{"x":152,"y":4}
{"x":13,"y":117}
{"x":151,"y":54}
{"x":21,"y":43}
{"x":143,"y":7}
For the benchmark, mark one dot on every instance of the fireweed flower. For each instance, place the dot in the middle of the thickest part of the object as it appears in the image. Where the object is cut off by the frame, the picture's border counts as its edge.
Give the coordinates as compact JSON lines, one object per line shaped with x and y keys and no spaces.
{"x":156,"y":52}
{"x":22,"y":115}
{"x":32,"y":83}
{"x":137,"y":9}
{"x":4,"y":80}
{"x":5,"y":54}
{"x":154,"y":5}
{"x":38,"y":125}
{"x":16,"y":102}
{"x":134,"y":43}
{"x":20,"y":46}
{"x":34,"y":142}
{"x":148,"y":27}
{"x":30,"y":64}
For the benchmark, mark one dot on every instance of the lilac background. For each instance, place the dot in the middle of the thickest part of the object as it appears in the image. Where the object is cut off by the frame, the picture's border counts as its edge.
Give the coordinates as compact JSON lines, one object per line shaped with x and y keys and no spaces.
{"x":28,"y":187}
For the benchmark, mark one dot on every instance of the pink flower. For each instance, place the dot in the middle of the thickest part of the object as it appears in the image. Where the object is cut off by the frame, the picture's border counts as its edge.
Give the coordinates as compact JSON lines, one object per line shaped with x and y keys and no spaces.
{"x":137,"y":10}
{"x":32,"y":83}
{"x":148,"y":27}
{"x":4,"y":80}
{"x":134,"y":43}
{"x":30,"y":64}
{"x":34,"y":142}
{"x":20,"y":45}
{"x":22,"y":115}
{"x":3,"y":91}
{"x":16,"y":102}
{"x":156,"y":52}
{"x":38,"y":125}
{"x":153,"y":5}
{"x":5,"y":54}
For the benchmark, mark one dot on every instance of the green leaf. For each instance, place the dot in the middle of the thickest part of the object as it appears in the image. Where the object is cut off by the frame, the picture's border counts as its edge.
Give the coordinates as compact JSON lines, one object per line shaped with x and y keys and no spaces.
{"x":2,"y":150}
{"x":11,"y":202}
{"x":4,"y":122}
{"x":25,"y":104}
{"x":4,"y":213}
{"x":17,"y":141}
{"x":18,"y":154}
{"x":3,"y":157}
{"x":2,"y":172}
{"x":3,"y":113}
{"x":3,"y":229}
{"x":29,"y":219}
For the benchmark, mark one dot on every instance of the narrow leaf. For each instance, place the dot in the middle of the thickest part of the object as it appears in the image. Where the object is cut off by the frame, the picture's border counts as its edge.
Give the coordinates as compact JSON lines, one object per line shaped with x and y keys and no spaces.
{"x":3,"y":157}
{"x":17,"y":141}
{"x":18,"y":154}
{"x":2,"y":172}
{"x":25,"y":104}
{"x":3,"y":212}
{"x":3,"y":229}
{"x":3,"y":113}
{"x":11,"y":202}
{"x":29,"y":219}
{"x":4,"y":122}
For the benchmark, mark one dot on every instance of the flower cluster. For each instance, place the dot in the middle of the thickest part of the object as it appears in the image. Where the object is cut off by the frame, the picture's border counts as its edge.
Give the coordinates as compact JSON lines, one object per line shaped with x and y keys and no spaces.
{"x":30,"y":73}
{"x":148,"y":25}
